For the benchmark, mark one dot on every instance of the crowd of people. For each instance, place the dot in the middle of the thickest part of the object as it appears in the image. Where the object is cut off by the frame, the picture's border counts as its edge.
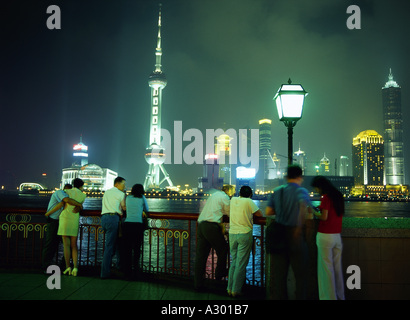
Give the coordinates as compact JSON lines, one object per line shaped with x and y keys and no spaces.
{"x":123,"y":220}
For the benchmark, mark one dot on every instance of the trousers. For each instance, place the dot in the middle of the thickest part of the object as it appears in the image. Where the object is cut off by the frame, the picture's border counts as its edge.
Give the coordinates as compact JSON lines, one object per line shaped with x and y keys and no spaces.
{"x":210,"y":236}
{"x":52,"y":241}
{"x":109,"y":224}
{"x":294,"y":255}
{"x":329,"y":266}
{"x":240,"y":248}
{"x":133,"y":236}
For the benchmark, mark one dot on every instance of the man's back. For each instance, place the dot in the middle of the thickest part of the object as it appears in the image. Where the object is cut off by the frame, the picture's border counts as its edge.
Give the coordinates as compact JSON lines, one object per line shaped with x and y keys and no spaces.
{"x":286,"y":202}
{"x":215,"y":207}
{"x":111,"y":202}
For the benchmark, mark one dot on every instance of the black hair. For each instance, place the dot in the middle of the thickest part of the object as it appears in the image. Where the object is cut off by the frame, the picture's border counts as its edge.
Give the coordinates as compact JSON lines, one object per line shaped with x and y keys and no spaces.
{"x":137,"y":190}
{"x":294,"y":171}
{"x":78,"y":183}
{"x":335,"y":195}
{"x":118,"y":180}
{"x":68,"y":186}
{"x":245,"y":192}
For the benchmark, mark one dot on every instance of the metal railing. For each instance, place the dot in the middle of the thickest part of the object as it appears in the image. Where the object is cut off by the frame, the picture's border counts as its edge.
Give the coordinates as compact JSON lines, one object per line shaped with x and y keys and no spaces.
{"x":168,"y":248}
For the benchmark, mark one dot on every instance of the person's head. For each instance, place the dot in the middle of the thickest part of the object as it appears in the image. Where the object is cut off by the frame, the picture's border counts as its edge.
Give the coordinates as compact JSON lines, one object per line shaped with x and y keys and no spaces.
{"x":245,"y":192}
{"x":229,"y":189}
{"x":119,"y":183}
{"x":321,"y":184}
{"x":67,"y":186}
{"x":137,"y":190}
{"x":324,"y":186}
{"x":78,"y":183}
{"x":295,"y":174}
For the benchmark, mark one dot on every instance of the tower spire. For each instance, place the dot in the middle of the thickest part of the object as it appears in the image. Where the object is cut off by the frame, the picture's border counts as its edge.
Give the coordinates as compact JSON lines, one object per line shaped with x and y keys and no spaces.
{"x":391,"y":82}
{"x":155,"y":153}
{"x":158,"y":50}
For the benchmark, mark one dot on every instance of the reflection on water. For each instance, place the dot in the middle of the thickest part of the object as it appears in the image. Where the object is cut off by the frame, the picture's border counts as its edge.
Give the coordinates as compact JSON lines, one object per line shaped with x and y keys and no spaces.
{"x":353,"y":208}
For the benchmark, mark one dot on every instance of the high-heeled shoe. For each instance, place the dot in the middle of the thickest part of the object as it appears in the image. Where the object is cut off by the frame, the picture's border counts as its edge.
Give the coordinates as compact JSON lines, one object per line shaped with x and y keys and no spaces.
{"x":74,"y":272}
{"x":67,"y":270}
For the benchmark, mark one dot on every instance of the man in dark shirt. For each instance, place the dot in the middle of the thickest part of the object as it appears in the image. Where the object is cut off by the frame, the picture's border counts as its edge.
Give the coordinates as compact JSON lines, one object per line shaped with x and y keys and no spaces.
{"x":289,"y":204}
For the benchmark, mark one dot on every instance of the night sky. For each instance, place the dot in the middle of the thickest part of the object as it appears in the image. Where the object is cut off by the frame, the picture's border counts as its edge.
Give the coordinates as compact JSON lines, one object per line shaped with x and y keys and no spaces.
{"x":224,"y":61}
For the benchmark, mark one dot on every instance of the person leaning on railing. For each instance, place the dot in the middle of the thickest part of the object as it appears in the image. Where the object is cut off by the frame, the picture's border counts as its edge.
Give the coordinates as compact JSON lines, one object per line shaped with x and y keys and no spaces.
{"x":287,"y":243}
{"x":133,"y":230}
{"x":210,"y":235}
{"x":113,"y":205}
{"x":242,"y":211}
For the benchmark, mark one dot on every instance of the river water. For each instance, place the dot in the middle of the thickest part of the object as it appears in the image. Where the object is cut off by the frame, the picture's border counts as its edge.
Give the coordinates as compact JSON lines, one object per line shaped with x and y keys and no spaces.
{"x":375,"y":209}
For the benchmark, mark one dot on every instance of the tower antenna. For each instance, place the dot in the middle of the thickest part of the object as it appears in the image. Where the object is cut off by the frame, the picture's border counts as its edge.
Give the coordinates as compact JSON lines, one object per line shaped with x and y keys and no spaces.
{"x":155,"y":153}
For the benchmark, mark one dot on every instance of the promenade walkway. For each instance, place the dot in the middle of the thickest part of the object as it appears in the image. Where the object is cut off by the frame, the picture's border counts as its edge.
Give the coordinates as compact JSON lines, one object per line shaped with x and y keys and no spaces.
{"x":31,"y":285}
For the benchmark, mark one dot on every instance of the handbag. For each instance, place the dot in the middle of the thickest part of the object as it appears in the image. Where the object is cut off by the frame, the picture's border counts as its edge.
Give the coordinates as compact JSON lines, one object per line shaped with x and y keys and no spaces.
{"x":275,"y":236}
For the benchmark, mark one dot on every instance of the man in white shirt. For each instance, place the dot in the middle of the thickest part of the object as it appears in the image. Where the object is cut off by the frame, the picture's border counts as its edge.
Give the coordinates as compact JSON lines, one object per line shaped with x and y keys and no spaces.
{"x":210,"y":235}
{"x":242,"y":211}
{"x":113,"y":205}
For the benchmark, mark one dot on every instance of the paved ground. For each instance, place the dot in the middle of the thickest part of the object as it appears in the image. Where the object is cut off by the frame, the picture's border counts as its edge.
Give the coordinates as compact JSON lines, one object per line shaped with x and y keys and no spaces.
{"x":32,"y":285}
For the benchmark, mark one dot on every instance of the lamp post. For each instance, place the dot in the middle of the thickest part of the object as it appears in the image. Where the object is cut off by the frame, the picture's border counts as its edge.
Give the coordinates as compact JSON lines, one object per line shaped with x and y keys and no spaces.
{"x":289,"y":102}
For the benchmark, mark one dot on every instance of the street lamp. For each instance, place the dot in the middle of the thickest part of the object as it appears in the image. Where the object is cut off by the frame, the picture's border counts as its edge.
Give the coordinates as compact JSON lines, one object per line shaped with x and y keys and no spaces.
{"x":289,"y":102}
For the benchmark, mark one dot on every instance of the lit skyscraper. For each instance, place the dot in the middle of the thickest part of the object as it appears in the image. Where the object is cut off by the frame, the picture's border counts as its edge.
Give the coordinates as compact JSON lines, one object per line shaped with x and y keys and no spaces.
{"x":344,"y":166}
{"x":210,"y":178}
{"x":368,"y":158}
{"x":80,"y":154}
{"x":324,"y":166}
{"x":301,"y":159}
{"x":393,"y":133}
{"x":223,"y":150}
{"x":265,"y":158}
{"x":155,"y":155}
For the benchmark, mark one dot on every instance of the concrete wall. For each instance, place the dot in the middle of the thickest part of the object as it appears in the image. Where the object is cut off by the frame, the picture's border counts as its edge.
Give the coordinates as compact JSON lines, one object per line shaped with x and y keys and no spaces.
{"x":383,"y":256}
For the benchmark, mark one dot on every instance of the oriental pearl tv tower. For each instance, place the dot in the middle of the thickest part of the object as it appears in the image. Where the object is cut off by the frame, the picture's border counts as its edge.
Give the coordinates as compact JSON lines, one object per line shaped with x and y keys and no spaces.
{"x":155,"y":154}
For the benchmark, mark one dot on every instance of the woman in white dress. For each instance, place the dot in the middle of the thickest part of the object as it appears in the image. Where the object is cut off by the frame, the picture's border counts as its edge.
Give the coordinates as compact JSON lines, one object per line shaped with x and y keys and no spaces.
{"x":68,"y":226}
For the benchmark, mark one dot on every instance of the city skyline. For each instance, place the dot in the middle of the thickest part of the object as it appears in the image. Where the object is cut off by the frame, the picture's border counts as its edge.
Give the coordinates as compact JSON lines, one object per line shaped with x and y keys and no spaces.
{"x":223,"y":67}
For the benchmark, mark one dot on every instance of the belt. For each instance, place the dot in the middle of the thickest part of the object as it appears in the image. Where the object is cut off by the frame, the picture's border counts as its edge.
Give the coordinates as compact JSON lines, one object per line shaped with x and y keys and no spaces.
{"x":111,"y":214}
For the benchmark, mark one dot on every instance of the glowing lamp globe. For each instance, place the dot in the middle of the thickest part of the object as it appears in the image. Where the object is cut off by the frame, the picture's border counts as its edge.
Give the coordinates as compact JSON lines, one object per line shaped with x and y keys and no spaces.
{"x":289,"y":101}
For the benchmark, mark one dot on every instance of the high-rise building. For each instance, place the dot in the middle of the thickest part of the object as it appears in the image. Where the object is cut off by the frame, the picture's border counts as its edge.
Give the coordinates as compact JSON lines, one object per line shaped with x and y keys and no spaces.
{"x":344,"y":166}
{"x":265,"y":158}
{"x":210,"y":178}
{"x":393,"y":133}
{"x":276,"y":173}
{"x":80,"y":154}
{"x":300,"y":159}
{"x":96,"y":179}
{"x":368,"y":159}
{"x":155,"y":154}
{"x":324,"y":166}
{"x":223,"y":149}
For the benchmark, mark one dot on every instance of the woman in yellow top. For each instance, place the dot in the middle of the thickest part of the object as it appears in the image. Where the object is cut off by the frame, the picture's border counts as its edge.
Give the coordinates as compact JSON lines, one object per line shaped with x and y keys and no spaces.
{"x":68,"y":226}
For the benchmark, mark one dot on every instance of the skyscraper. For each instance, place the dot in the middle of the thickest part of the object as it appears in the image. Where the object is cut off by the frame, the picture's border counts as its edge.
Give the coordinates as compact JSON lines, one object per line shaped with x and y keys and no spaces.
{"x":324,"y":166}
{"x":344,"y":166}
{"x":155,"y":155}
{"x":368,"y":158}
{"x":80,"y":154}
{"x":210,"y":178}
{"x":301,"y":159}
{"x":265,"y":158}
{"x":393,"y":133}
{"x":223,"y":150}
